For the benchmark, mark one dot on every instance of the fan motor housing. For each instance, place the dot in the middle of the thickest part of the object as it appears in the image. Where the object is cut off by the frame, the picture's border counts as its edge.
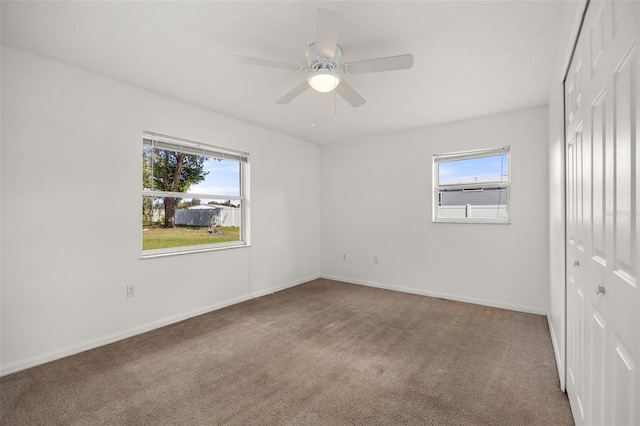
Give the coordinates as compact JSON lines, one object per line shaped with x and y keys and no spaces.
{"x":316,"y":62}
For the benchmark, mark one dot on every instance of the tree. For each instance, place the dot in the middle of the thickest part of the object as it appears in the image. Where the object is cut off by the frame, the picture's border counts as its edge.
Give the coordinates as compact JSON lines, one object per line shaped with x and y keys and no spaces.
{"x":147,"y":202}
{"x":173,"y":171}
{"x":187,"y":204}
{"x":227,"y":203}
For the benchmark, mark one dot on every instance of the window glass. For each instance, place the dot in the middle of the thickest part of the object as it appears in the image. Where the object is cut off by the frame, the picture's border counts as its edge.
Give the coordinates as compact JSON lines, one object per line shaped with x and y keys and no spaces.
{"x":192,"y":196}
{"x":492,"y":168}
{"x":472,"y":187}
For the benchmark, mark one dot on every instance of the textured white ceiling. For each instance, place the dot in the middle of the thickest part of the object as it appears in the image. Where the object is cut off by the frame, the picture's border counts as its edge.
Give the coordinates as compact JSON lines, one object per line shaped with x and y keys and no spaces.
{"x":472,"y":58}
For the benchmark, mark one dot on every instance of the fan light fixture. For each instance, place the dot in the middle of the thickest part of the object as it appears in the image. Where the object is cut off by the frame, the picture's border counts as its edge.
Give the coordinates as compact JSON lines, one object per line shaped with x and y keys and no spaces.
{"x":323,"y":80}
{"x":324,"y":67}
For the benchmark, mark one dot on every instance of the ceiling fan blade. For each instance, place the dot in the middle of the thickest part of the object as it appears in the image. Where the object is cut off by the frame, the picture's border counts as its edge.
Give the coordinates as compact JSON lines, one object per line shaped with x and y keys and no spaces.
{"x":297,"y":91}
{"x":392,"y":63}
{"x":265,"y":62}
{"x":329,"y":24}
{"x":350,"y":95}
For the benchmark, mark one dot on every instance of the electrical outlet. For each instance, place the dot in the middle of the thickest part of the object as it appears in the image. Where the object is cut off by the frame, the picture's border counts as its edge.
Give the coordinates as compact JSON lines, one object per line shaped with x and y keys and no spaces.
{"x":131,"y":291}
{"x":376,"y":260}
{"x":344,"y":257}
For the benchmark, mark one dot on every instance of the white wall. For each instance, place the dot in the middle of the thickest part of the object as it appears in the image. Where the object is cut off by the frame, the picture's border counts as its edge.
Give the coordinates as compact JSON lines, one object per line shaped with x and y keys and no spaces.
{"x":499,"y":265}
{"x":556,"y":315}
{"x":73,"y":139}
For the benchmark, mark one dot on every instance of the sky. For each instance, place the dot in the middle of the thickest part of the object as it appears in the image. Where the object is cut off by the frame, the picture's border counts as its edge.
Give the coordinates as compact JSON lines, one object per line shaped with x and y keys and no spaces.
{"x":493,"y":166}
{"x":223,"y":178}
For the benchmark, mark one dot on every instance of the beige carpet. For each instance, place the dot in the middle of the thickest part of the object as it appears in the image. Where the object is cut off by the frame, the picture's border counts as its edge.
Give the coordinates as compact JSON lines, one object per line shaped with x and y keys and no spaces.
{"x":323,"y":353}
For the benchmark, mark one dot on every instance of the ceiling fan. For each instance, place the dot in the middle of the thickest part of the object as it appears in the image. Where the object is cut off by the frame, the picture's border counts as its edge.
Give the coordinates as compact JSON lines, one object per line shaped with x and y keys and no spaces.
{"x":324,"y":69}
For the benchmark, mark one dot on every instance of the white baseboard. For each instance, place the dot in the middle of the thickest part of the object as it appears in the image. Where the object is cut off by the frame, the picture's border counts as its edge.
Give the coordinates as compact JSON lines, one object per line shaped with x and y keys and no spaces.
{"x":556,"y":353}
{"x":294,"y":283}
{"x":421,"y":292}
{"x":105,"y":340}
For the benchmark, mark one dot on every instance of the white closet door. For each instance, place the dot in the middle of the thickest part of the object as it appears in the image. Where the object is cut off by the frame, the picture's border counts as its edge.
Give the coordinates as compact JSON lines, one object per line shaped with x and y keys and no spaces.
{"x":603,"y":248}
{"x":577,"y":189}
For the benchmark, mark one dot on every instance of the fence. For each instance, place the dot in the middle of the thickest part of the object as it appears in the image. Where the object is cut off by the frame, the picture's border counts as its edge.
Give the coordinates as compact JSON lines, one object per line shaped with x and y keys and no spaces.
{"x":220,"y":216}
{"x":472,"y":211}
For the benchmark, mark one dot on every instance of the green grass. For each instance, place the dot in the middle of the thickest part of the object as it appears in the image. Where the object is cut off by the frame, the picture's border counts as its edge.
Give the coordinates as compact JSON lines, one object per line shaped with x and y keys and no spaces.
{"x":157,"y":237}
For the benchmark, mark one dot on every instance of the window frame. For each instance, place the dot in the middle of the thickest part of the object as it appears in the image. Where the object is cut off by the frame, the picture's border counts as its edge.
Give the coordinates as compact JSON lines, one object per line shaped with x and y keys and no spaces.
{"x":466,"y":155}
{"x":160,"y":141}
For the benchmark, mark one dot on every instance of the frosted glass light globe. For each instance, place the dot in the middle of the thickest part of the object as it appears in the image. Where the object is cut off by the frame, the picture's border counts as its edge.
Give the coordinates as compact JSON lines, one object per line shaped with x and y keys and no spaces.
{"x":323,"y":81}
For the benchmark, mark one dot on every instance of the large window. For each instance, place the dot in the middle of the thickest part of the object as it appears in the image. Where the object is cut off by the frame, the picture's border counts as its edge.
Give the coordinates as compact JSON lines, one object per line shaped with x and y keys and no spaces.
{"x":193,"y":196}
{"x":472,"y":187}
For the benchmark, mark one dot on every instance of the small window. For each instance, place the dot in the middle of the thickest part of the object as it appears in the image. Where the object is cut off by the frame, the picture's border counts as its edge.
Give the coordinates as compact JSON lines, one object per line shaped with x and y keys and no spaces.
{"x":472,"y":187}
{"x":193,"y":196}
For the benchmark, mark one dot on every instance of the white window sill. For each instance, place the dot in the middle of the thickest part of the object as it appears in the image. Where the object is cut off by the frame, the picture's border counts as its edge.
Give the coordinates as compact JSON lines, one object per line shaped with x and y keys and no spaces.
{"x":154,"y":254}
{"x":476,"y":221}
